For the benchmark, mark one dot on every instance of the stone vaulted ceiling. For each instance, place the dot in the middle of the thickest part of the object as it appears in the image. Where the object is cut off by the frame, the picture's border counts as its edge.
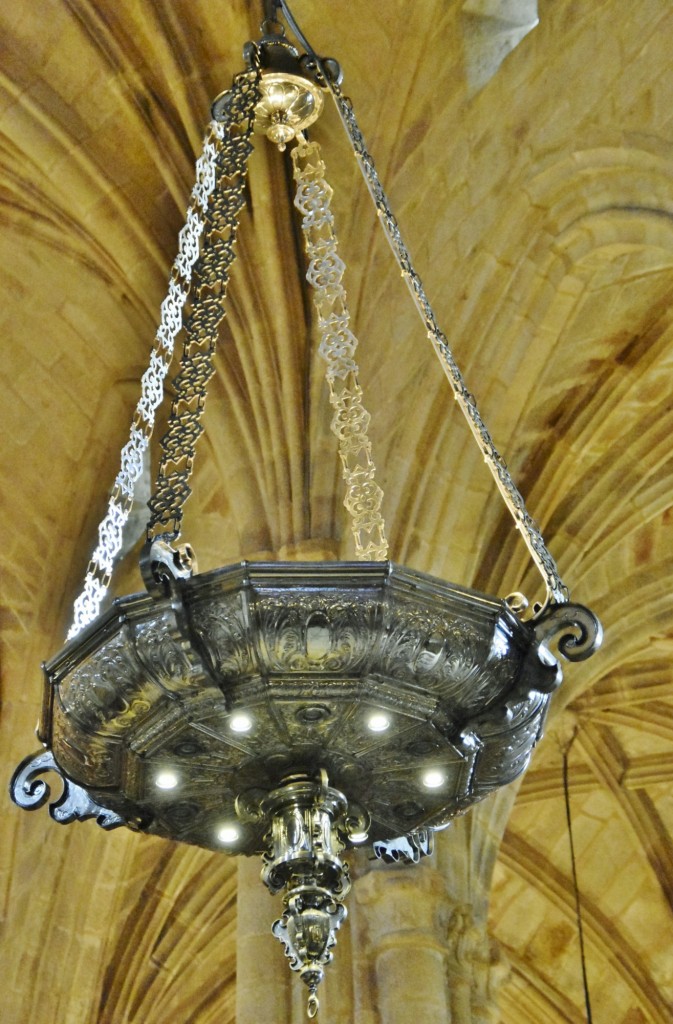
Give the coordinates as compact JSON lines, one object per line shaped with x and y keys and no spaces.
{"x":539,"y":210}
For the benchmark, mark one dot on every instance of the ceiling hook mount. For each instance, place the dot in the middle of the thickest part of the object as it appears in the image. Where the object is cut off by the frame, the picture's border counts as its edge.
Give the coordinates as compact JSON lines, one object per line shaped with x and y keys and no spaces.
{"x":270,"y":24}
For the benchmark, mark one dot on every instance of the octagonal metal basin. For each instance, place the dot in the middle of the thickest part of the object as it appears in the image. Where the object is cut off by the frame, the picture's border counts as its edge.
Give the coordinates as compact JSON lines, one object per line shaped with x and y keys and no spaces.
{"x":180,"y":712}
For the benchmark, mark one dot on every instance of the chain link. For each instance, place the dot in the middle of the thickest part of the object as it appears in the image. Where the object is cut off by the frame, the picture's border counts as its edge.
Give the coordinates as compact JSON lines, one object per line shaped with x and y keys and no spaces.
{"x":218,"y":143}
{"x":207,"y":312}
{"x":556,"y":588}
{"x":337,"y":347}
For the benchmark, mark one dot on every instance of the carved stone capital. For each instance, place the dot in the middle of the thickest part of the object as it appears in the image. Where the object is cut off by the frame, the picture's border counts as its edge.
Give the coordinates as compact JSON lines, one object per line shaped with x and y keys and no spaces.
{"x":476,"y":966}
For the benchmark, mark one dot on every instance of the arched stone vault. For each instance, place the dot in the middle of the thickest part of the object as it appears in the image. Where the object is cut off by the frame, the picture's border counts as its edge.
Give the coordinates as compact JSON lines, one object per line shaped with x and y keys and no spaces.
{"x":539,"y":213}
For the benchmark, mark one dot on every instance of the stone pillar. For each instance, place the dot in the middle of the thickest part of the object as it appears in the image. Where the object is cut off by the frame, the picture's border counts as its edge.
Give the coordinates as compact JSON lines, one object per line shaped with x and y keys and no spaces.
{"x":262,"y":983}
{"x":475,"y":969}
{"x":465,"y":856}
{"x":405,"y":912}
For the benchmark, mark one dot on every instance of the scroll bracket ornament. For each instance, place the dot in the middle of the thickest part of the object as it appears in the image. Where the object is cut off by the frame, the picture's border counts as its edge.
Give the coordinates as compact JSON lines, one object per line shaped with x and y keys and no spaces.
{"x":574,"y":630}
{"x":74,"y":804}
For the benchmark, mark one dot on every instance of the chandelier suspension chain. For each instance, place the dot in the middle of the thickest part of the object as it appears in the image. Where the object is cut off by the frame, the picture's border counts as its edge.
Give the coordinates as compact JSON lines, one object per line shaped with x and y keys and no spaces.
{"x":207,"y":313}
{"x":219,"y":150}
{"x":542,"y":557}
{"x":363,"y":495}
{"x":337,"y":347}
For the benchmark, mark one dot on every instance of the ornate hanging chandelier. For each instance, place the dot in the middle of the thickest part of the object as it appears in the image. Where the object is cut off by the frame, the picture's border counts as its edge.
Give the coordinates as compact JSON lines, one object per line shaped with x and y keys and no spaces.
{"x":286,"y":709}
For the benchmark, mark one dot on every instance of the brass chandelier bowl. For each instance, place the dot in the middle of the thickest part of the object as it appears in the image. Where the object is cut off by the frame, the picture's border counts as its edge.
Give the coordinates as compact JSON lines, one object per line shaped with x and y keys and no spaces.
{"x":292,"y":710}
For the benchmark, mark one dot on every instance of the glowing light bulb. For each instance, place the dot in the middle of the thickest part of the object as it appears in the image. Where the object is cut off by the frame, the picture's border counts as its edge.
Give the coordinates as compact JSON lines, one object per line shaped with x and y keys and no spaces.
{"x":433,"y":779}
{"x":378,"y":722}
{"x":240,"y":722}
{"x":228,"y":834}
{"x":166,"y":780}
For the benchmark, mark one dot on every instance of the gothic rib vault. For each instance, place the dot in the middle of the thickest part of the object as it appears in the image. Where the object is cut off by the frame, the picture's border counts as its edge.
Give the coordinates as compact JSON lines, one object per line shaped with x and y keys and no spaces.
{"x":539,"y":211}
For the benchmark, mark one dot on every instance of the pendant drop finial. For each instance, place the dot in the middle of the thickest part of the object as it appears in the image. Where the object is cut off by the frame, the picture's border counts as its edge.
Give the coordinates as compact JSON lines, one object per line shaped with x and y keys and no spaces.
{"x":312,"y":1006}
{"x":309,"y":830}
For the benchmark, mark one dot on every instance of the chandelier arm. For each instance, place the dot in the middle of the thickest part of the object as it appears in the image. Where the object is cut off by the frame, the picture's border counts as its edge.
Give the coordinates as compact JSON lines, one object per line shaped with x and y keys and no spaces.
{"x":207,"y":311}
{"x":110,"y":531}
{"x":557,"y":591}
{"x":337,"y":347}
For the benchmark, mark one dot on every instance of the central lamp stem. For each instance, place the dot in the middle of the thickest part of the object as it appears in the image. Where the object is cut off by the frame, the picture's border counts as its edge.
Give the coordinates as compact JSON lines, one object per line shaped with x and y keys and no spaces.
{"x":310,"y":828}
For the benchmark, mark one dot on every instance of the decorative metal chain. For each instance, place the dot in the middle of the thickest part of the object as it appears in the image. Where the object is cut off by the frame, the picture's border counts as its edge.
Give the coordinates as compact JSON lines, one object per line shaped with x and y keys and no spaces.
{"x":556,"y":588}
{"x":512,"y":497}
{"x":337,"y":348}
{"x":207,"y":312}
{"x":216,"y":148}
